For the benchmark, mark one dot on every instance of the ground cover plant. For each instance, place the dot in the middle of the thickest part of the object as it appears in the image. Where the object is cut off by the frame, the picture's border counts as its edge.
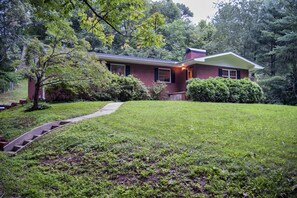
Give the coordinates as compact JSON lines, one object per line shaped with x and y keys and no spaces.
{"x":15,"y":121}
{"x":163,"y":149}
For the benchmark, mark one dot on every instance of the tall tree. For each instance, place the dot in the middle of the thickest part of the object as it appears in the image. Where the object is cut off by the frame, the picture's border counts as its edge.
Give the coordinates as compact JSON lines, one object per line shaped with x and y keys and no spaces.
{"x":13,"y":19}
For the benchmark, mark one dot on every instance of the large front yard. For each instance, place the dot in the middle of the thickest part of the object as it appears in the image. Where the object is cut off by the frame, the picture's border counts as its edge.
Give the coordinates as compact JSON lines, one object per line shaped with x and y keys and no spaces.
{"x":163,"y":149}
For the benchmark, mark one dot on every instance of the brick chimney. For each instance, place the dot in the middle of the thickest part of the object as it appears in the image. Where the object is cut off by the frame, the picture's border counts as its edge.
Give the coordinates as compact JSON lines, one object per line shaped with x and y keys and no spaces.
{"x":194,"y":53}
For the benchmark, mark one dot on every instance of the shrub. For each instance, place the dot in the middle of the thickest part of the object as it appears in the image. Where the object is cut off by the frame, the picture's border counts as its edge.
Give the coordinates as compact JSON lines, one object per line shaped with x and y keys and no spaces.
{"x":224,"y":90}
{"x":124,"y":88}
{"x":119,"y":88}
{"x":61,"y":92}
{"x":200,"y":90}
{"x":158,"y":91}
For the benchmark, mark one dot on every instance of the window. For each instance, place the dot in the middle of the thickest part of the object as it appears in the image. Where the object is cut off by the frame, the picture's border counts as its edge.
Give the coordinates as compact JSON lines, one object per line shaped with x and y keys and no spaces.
{"x":118,"y":69}
{"x":229,"y":73}
{"x":164,"y":75}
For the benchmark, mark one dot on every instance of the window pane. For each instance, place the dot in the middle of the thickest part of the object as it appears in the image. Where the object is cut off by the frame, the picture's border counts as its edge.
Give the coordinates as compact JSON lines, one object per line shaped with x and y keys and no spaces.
{"x":232,"y":74}
{"x":225,"y":73}
{"x":164,"y":75}
{"x":118,"y":69}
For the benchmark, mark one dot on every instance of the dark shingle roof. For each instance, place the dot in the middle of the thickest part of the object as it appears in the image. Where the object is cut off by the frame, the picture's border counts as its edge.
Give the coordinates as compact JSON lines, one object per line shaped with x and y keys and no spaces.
{"x":133,"y":59}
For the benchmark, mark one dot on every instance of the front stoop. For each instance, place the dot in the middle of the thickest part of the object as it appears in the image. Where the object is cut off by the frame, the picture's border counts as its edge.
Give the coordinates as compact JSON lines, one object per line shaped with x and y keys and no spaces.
{"x":26,"y":139}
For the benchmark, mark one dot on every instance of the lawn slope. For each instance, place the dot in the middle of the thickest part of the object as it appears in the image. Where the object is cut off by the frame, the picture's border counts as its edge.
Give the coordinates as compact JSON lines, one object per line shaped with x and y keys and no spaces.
{"x":15,"y":121}
{"x":20,"y":92}
{"x":163,"y":149}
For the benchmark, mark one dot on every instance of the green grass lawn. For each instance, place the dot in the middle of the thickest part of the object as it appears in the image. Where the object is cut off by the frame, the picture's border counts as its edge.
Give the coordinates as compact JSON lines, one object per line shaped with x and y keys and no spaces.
{"x":15,"y":121}
{"x":163,"y":149}
{"x":20,"y":92}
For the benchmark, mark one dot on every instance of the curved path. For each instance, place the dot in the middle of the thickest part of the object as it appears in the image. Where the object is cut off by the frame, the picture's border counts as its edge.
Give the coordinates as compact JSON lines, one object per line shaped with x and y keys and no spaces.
{"x":24,"y":140}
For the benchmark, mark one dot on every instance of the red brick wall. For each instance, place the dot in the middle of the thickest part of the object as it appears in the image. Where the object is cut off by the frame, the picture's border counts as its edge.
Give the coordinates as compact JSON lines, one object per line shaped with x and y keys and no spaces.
{"x":191,"y":55}
{"x":31,"y":89}
{"x":145,"y":73}
{"x":206,"y":71}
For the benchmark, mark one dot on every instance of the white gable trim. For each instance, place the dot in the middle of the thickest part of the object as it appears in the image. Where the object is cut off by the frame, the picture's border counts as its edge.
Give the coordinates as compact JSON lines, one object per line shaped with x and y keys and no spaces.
{"x":208,"y":59}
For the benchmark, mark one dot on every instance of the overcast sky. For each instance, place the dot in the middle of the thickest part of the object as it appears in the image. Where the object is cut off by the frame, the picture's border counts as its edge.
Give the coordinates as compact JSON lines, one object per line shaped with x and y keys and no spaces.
{"x":202,"y":9}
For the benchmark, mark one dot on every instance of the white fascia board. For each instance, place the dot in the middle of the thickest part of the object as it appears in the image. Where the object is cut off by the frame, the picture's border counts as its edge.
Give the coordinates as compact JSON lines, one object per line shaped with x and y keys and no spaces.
{"x":203,"y":60}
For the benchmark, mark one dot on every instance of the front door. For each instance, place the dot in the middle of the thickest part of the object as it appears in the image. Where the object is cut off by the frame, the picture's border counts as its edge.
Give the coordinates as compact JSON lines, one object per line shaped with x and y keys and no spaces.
{"x":190,"y":72}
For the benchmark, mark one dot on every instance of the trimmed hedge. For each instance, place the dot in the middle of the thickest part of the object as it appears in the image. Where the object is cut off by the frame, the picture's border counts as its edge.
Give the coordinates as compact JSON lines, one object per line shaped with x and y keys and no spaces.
{"x":224,"y":90}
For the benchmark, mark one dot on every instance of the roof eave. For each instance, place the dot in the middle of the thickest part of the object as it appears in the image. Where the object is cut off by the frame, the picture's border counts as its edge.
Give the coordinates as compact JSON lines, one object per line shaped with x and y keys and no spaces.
{"x":135,"y":61}
{"x":254,"y":65}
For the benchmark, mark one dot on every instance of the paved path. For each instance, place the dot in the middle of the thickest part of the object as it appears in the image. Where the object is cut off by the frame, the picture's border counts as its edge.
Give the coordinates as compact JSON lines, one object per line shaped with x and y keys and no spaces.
{"x":24,"y":140}
{"x":107,"y":109}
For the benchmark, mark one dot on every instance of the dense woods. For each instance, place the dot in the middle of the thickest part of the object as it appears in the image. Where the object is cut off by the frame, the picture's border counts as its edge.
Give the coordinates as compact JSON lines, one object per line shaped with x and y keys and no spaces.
{"x":264,"y":31}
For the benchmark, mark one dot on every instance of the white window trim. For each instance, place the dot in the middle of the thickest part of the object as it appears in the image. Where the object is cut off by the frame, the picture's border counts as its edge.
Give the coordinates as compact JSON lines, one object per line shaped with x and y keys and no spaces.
{"x":159,"y":75}
{"x":117,"y":64}
{"x":229,"y":72}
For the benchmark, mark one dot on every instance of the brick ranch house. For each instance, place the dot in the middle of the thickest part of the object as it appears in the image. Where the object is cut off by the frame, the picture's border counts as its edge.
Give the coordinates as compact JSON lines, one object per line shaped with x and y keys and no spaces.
{"x":196,"y":64}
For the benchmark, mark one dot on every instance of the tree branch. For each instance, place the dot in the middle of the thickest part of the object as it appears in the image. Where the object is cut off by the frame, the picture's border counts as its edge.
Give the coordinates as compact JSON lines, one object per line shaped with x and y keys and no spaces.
{"x":101,"y":18}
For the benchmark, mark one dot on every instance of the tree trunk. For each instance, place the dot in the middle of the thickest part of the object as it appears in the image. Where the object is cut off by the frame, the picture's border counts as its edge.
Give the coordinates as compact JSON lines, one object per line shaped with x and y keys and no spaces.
{"x":36,"y":95}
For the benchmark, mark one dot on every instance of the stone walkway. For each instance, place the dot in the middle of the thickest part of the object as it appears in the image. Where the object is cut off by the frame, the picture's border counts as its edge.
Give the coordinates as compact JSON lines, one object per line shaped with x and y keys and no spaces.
{"x":24,"y":140}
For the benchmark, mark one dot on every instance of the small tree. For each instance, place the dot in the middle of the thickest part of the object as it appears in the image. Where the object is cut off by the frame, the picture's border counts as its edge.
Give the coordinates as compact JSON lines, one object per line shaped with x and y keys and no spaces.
{"x":55,"y":63}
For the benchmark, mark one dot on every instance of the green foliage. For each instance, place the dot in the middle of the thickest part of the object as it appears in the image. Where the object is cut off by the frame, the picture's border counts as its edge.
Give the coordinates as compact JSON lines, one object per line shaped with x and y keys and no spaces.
{"x":279,"y":90}
{"x":161,"y":149}
{"x":13,"y":20}
{"x":103,"y":19}
{"x":273,"y":89}
{"x":114,"y":87}
{"x":41,"y":106}
{"x":124,"y":88}
{"x":224,"y":90}
{"x":158,"y":91}
{"x":55,"y":63}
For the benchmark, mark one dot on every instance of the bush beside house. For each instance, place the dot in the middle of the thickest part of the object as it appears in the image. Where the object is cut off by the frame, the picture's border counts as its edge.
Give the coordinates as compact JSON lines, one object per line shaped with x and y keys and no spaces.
{"x":224,"y":90}
{"x":118,"y":88}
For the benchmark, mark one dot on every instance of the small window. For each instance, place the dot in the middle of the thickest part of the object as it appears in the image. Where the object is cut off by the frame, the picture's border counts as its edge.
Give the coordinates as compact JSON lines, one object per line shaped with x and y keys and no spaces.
{"x":164,"y":75}
{"x":229,"y":73}
{"x":118,"y":69}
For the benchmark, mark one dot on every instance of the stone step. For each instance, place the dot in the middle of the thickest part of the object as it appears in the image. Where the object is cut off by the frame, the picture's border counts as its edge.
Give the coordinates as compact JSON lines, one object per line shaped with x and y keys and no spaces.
{"x":43,"y":132}
{"x":64,"y":122}
{"x":35,"y":136}
{"x":26,"y":142}
{"x":16,"y":148}
{"x":54,"y":126}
